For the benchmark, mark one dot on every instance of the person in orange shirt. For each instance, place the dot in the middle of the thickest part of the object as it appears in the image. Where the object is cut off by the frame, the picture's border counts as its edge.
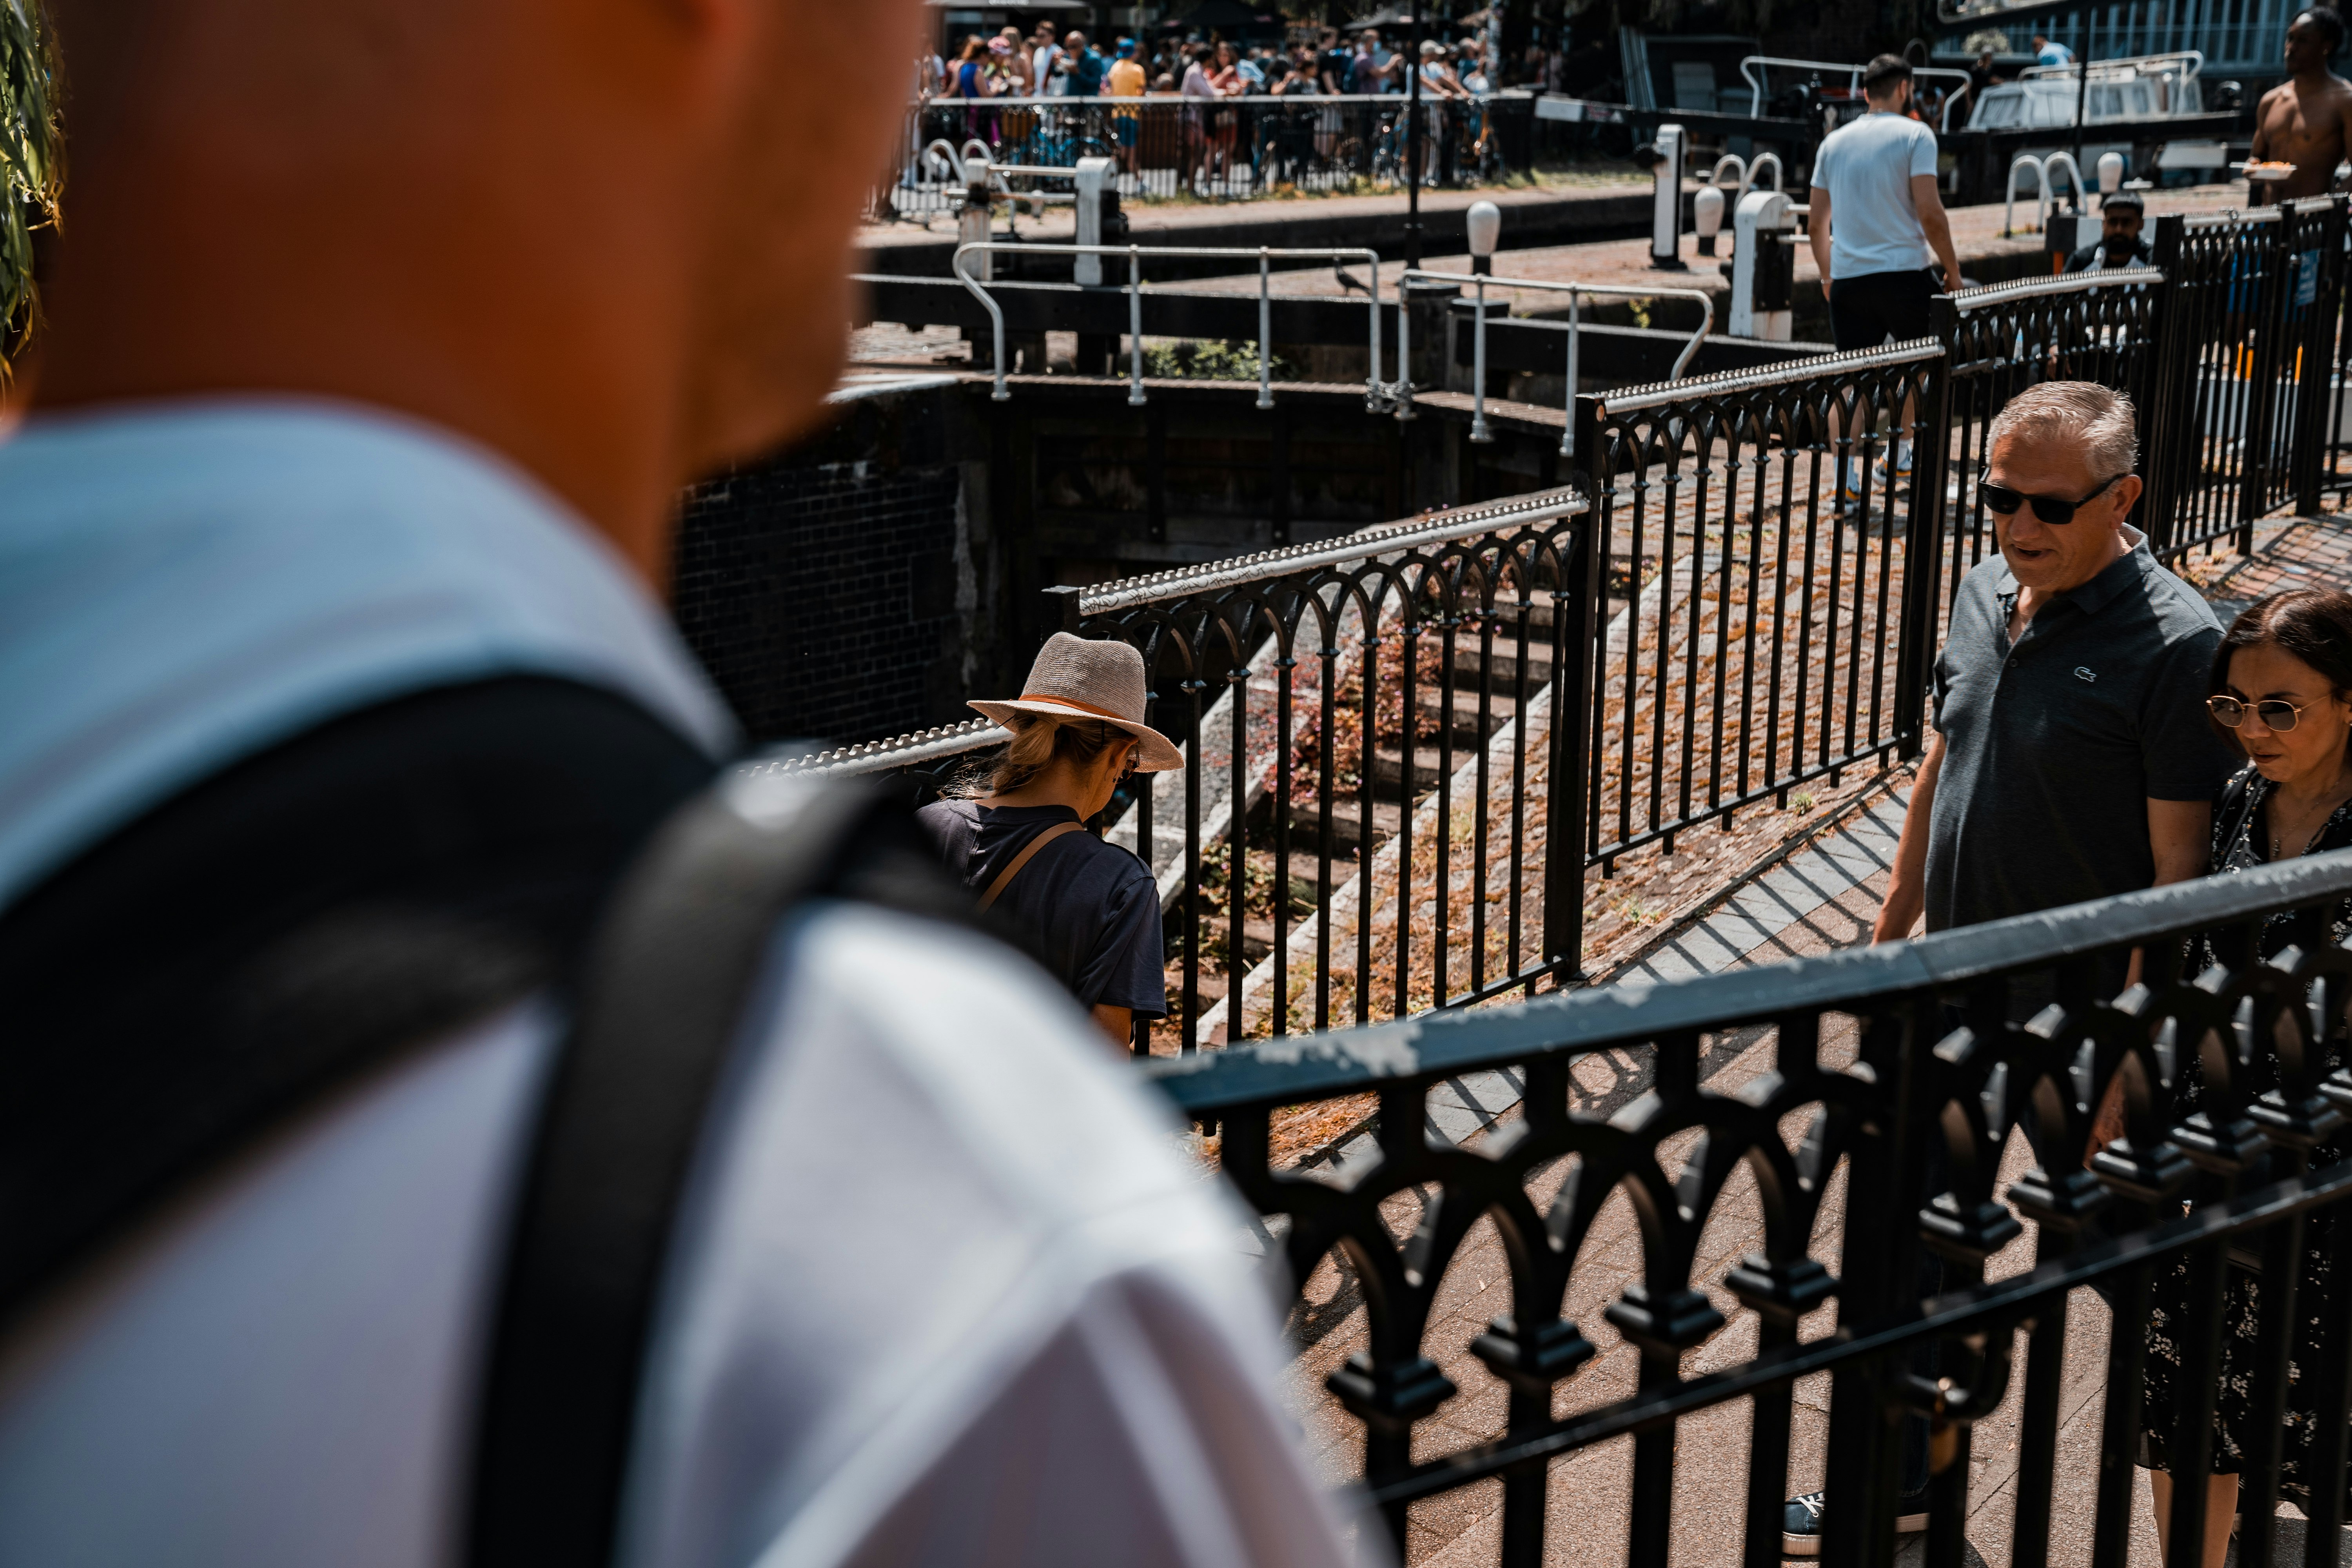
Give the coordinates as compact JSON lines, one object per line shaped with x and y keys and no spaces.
{"x":1125,"y":79}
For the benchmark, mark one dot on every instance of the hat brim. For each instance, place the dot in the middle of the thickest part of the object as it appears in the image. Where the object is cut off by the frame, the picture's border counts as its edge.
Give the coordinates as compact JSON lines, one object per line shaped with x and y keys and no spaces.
{"x":1160,"y":756}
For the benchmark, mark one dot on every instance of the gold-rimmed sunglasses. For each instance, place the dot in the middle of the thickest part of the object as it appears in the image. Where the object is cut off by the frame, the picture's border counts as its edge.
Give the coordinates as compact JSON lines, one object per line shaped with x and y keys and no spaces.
{"x":2277,"y":713}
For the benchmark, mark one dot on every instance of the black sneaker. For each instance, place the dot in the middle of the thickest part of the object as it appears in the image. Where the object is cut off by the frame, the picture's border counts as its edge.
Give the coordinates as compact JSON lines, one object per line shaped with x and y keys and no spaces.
{"x":1801,"y":1522}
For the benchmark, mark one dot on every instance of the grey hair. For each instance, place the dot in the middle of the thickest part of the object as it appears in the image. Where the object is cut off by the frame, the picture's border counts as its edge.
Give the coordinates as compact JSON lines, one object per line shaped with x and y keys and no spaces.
{"x":2098,"y":419}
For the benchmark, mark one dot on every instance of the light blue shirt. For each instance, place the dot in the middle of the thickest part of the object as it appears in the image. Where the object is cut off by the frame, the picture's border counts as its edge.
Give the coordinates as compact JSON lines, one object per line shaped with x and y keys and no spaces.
{"x":183,"y":586}
{"x":1866,"y":167}
{"x":1017,"y":1304}
{"x":2053,"y":53}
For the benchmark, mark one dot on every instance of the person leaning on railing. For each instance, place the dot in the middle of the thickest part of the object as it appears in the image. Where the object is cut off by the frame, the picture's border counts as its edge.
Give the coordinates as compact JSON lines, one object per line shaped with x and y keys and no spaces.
{"x":2281,"y":685}
{"x":2071,"y":758}
{"x":1087,"y":910}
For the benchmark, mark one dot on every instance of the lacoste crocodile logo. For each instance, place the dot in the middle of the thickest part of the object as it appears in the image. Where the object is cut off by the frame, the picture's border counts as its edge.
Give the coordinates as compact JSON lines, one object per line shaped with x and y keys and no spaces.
{"x":2084,"y":672}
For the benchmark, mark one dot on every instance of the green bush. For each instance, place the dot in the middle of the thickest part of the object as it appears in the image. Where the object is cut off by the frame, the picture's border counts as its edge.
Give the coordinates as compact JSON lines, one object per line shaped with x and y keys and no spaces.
{"x":1209,"y":359}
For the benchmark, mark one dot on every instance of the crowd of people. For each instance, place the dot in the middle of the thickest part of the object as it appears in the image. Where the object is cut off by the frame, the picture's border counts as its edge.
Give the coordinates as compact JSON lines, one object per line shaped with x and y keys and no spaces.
{"x":1073,"y":66}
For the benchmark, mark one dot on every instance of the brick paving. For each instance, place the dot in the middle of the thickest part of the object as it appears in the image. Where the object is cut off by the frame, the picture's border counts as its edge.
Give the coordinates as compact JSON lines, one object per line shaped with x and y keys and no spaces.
{"x":1819,"y":896}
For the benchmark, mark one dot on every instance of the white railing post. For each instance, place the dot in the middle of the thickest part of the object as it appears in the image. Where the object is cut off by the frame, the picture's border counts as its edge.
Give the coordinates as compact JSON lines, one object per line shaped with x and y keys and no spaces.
{"x":1478,"y":431}
{"x":2042,"y":185}
{"x":1575,"y":326}
{"x":995,"y":312}
{"x":1264,"y":330}
{"x":1135,"y":326}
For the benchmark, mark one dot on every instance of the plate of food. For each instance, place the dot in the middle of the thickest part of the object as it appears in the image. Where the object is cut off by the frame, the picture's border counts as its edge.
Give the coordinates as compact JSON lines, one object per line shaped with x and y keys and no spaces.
{"x":2266,"y":170}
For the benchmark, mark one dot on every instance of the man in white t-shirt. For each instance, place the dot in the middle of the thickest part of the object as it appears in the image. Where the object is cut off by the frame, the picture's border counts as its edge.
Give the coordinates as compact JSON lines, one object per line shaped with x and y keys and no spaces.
{"x":1877,"y":220}
{"x":331,"y":568}
{"x":1877,"y":223}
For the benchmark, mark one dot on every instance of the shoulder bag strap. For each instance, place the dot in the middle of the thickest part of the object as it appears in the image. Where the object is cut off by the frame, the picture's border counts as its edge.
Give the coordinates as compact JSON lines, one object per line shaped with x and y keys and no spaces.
{"x":662,"y":1002}
{"x":1004,"y":878}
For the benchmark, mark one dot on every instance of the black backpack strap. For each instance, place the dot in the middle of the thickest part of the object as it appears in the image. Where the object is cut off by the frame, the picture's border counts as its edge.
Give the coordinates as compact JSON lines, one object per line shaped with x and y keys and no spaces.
{"x":661,"y":1010}
{"x":299,"y":920}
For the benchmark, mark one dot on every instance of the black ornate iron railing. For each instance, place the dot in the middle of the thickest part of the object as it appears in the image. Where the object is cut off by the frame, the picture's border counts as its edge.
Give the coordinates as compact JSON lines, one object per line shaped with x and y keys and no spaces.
{"x":1899,"y":1067}
{"x":1364,"y":721}
{"x":1226,"y":149}
{"x":2239,"y":412}
{"x":1764,"y":531}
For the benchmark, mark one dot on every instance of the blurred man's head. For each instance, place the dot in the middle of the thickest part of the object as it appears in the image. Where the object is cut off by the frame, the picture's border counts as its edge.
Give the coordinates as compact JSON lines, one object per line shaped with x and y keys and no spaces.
{"x":1886,"y":82}
{"x":2120,"y":222}
{"x":589,"y":234}
{"x":2313,"y":38}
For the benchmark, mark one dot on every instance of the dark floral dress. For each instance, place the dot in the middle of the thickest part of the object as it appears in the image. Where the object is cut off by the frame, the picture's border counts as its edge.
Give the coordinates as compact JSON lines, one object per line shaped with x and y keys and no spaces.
{"x":2240,"y":837}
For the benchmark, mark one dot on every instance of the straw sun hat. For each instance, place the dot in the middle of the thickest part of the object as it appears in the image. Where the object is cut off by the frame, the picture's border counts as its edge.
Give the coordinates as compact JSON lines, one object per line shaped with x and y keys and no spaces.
{"x":1074,"y":678}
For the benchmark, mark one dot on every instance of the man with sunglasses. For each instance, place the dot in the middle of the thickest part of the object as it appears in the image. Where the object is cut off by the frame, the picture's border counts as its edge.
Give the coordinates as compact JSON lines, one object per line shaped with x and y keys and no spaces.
{"x":2071,"y":758}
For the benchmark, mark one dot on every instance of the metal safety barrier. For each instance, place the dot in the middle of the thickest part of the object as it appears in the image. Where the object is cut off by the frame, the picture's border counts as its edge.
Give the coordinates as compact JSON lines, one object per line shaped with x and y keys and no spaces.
{"x":1576,"y":292}
{"x":1375,"y":391}
{"x":1224,"y":149}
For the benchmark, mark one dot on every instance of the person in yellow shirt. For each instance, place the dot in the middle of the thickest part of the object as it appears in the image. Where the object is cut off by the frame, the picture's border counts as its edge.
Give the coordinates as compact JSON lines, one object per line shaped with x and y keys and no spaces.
{"x":1125,"y":81}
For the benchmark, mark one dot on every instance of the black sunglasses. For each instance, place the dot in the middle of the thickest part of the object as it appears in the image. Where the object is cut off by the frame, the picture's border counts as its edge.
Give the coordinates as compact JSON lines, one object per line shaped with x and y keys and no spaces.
{"x":2050,"y":510}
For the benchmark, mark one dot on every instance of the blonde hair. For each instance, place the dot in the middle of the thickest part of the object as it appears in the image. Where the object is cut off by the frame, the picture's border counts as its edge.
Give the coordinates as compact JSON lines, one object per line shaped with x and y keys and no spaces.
{"x":1036,"y":741}
{"x":2083,"y":414}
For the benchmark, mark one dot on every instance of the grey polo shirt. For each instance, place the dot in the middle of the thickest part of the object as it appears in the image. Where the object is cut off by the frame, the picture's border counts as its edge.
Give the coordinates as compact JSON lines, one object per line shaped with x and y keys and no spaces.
{"x":2054,"y":747}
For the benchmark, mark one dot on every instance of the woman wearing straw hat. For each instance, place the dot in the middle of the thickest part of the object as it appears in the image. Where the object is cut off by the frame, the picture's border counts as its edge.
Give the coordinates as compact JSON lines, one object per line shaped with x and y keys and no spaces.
{"x":1090,"y":911}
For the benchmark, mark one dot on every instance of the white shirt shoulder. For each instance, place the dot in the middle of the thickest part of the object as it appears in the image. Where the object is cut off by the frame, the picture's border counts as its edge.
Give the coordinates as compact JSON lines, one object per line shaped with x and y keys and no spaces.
{"x":943,"y":1264}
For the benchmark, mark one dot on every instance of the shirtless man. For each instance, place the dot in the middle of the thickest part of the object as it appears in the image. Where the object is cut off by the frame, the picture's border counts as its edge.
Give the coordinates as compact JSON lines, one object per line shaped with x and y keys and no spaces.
{"x":2303,"y":121}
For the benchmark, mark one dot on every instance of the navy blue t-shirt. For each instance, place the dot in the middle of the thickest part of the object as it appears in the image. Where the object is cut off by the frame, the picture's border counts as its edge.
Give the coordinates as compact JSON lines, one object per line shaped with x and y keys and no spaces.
{"x":1090,"y":909}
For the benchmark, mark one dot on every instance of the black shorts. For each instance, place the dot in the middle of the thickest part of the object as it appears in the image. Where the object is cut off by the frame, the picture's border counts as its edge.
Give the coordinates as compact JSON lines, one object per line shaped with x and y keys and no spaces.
{"x":1866,"y":311}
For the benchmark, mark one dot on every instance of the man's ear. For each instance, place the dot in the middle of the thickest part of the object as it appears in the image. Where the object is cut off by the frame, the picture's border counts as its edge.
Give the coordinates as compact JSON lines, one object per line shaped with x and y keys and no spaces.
{"x":2127,"y":491}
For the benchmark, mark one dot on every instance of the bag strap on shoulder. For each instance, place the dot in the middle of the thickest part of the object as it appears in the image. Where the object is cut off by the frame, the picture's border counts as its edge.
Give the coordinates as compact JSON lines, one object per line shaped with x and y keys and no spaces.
{"x":661,"y":1007}
{"x":1004,"y":878}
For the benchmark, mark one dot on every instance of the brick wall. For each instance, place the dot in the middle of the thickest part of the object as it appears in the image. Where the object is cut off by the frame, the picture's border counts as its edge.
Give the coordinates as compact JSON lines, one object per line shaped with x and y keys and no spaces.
{"x":821,"y":590}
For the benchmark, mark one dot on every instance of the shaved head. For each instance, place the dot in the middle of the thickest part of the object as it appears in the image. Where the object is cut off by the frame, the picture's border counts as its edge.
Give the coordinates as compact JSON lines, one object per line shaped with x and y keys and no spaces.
{"x":609,"y":238}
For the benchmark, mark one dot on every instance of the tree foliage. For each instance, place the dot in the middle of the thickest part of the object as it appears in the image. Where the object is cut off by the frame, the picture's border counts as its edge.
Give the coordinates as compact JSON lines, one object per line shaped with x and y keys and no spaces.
{"x":30,"y":157}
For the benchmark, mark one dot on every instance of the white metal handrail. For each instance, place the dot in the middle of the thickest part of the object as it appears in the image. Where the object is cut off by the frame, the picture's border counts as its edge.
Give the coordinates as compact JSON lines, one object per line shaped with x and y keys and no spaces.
{"x":2046,"y":188}
{"x":1266,"y":255}
{"x":1749,"y":172}
{"x":2125,"y":67}
{"x":1575,"y":292}
{"x":1852,"y":72}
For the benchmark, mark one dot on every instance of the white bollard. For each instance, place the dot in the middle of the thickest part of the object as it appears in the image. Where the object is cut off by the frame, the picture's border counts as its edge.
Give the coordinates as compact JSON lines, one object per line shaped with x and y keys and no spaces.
{"x":972,"y":223}
{"x":1094,"y":177}
{"x":1666,"y":201}
{"x":1706,"y":217}
{"x":1756,"y":257}
{"x":1484,"y":223}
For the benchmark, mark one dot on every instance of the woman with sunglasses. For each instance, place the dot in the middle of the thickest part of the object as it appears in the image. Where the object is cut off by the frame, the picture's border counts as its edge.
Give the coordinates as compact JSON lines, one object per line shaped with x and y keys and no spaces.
{"x":1087,"y":910}
{"x":2281,"y":680}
